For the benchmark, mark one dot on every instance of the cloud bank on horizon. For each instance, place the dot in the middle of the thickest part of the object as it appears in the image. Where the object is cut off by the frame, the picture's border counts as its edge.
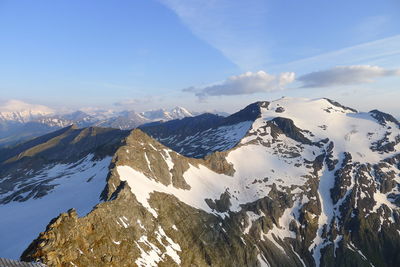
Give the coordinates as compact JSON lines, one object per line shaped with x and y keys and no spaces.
{"x":15,"y":105}
{"x":345,"y":75}
{"x":246,"y":83}
{"x":261,"y":82}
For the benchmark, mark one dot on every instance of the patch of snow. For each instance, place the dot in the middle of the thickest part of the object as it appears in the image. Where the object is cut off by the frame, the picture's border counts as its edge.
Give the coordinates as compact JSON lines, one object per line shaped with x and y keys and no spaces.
{"x":283,"y":231}
{"x":336,"y":242}
{"x":263,"y":261}
{"x":172,"y":248}
{"x":273,"y":238}
{"x":152,"y":147}
{"x":147,"y":161}
{"x":168,"y":160}
{"x":251,"y":217}
{"x":326,"y":182}
{"x":298,"y":256}
{"x":124,"y":222}
{"x":352,"y":247}
{"x":116,"y":242}
{"x":140,"y":224}
{"x":381,"y":199}
{"x":151,"y":255}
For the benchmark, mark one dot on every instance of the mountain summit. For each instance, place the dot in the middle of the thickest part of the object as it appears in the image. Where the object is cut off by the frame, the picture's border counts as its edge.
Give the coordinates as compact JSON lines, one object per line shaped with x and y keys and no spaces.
{"x":294,"y":182}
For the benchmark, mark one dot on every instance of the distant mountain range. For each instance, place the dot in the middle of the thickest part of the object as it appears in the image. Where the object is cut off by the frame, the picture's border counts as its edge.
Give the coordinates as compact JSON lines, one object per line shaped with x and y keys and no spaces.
{"x":23,"y":122}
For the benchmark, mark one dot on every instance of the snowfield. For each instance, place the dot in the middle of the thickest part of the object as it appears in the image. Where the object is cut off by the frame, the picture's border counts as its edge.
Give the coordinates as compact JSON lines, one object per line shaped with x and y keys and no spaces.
{"x":77,"y":186}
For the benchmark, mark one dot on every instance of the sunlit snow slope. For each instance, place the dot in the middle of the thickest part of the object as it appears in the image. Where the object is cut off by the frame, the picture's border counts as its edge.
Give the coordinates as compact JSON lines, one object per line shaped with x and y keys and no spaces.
{"x":77,"y":185}
{"x":48,"y":175}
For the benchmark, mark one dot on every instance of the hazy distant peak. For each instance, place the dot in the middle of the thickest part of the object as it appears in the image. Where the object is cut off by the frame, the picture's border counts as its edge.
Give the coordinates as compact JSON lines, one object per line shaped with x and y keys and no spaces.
{"x":163,"y":114}
{"x":180,"y":112}
{"x":14,"y":105}
{"x":21,"y":111}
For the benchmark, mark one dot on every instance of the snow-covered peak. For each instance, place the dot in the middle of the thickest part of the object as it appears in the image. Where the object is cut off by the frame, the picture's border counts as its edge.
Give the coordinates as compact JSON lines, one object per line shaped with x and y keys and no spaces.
{"x":100,"y":114}
{"x":20,"y":106}
{"x":158,"y":114}
{"x":351,"y":131}
{"x":77,"y":115}
{"x":180,"y":113}
{"x":16,"y":110}
{"x":166,"y":115}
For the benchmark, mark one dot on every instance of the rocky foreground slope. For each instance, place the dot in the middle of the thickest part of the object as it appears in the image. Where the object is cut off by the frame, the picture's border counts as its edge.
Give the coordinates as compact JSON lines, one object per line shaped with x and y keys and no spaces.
{"x":308,"y":183}
{"x":48,"y":175}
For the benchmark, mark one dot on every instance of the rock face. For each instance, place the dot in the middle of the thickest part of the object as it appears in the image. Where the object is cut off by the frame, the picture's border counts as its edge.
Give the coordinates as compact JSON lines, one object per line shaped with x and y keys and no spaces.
{"x":306,"y":185}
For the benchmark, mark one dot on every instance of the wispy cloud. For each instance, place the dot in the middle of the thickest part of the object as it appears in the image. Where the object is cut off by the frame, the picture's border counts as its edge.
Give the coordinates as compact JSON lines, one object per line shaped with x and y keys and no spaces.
{"x":108,"y":85}
{"x":235,"y":28}
{"x":372,"y":27}
{"x":131,"y":102}
{"x":14,"y":105}
{"x":345,"y":75}
{"x":384,"y":52}
{"x":245,"y":84}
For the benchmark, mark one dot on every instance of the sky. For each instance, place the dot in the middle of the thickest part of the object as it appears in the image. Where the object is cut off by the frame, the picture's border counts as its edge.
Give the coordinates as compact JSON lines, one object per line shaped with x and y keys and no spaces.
{"x":199,"y":54}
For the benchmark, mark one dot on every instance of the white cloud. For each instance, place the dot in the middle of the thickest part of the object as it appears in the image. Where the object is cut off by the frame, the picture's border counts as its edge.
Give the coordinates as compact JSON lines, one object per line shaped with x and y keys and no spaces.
{"x":372,"y":27}
{"x":384,"y":52}
{"x":14,"y":105}
{"x":245,"y":84}
{"x":125,"y":103}
{"x":345,"y":75}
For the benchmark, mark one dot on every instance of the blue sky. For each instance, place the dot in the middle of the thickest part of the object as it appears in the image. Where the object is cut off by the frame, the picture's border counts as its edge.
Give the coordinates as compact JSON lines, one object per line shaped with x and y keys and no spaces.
{"x":200,"y":54}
